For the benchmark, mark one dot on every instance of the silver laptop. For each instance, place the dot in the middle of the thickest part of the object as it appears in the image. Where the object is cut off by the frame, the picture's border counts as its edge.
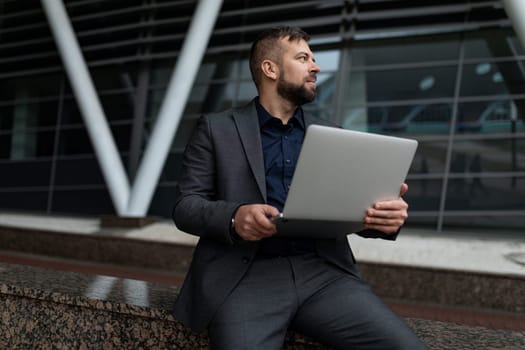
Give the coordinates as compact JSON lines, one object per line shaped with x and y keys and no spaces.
{"x":339,"y":174}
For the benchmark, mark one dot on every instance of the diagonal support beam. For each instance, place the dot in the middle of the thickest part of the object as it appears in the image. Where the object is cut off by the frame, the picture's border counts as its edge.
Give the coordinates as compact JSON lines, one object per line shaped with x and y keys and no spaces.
{"x":516,"y":11}
{"x":172,"y":107}
{"x":89,"y":104}
{"x":133,"y":201}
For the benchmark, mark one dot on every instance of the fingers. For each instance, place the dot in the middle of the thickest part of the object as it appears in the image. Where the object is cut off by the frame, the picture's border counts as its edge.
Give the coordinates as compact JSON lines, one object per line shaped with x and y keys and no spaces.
{"x":387,"y":216}
{"x":252,"y":221}
{"x":404,"y":189}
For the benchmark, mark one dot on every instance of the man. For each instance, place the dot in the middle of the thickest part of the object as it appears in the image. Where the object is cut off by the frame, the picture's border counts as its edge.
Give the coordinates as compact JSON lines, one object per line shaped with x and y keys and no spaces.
{"x":246,"y":284}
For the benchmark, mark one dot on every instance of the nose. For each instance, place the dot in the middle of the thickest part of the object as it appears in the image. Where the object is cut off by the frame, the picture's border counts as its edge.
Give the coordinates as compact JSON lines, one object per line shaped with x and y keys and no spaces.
{"x":315,"y":67}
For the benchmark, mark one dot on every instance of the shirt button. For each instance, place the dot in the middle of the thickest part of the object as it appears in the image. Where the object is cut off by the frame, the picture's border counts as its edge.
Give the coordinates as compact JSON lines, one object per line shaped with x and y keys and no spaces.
{"x":245,"y":260}
{"x":288,"y":161}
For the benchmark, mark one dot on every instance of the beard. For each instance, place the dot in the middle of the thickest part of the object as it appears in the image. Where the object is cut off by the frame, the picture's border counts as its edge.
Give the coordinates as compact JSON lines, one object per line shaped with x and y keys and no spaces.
{"x":297,"y":94}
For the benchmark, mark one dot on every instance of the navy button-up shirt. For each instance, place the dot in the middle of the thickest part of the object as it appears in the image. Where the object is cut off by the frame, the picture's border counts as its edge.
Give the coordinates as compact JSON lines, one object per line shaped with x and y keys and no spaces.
{"x":281,"y":144}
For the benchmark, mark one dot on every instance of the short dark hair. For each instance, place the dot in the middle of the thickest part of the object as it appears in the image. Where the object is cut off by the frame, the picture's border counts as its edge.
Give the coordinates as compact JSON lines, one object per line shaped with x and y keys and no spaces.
{"x":266,"y":45}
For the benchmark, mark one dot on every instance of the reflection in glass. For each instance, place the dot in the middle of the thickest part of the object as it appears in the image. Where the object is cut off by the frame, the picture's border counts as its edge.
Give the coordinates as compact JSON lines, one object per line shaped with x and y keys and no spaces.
{"x":491,"y":116}
{"x":499,"y":42}
{"x":498,"y":78}
{"x":78,"y":171}
{"x":413,"y":119}
{"x":22,"y":173}
{"x":429,"y":158}
{"x":401,"y":84}
{"x":406,"y":50}
{"x":423,"y":194}
{"x":492,"y":155}
{"x":484,"y":193}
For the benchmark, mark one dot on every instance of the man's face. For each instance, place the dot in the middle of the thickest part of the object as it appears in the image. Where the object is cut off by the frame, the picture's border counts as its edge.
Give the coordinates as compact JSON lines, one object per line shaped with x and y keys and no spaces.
{"x":298,"y":72}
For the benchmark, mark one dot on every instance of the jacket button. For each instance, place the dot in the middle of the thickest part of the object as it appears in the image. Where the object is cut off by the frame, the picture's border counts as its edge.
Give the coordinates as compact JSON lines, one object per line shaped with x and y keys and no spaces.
{"x":245,"y":260}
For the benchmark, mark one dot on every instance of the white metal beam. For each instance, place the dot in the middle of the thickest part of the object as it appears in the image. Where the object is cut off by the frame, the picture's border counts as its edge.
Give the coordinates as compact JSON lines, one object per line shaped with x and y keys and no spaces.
{"x":516,"y":11}
{"x":170,"y":113}
{"x":89,"y":104}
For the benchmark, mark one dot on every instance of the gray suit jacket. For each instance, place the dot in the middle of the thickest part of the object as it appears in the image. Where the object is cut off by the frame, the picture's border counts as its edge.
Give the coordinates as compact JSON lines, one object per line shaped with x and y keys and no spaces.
{"x":223,"y":168}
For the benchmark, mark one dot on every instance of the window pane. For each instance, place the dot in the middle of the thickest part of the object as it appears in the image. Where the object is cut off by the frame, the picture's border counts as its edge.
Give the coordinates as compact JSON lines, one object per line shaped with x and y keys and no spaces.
{"x":74,"y":141}
{"x":92,"y":201}
{"x":493,"y":79}
{"x":499,"y":222}
{"x":21,"y":88}
{"x":491,"y":116}
{"x":423,"y":194}
{"x":412,"y":119}
{"x":401,"y":84}
{"x":22,"y":174}
{"x":500,"y":42}
{"x":26,"y":144}
{"x":477,"y":156}
{"x":479,"y":193}
{"x":118,"y":106}
{"x":407,"y":50}
{"x":430,"y":158}
{"x":71,"y":172}
{"x":24,"y":200}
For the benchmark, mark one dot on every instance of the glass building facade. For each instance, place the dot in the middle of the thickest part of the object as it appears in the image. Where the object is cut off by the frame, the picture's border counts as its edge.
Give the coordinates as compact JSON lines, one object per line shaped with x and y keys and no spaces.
{"x":450,"y":74}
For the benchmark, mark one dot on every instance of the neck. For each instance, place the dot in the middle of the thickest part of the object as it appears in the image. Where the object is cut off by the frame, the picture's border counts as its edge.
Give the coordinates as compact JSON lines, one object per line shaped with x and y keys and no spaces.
{"x":278,"y":107}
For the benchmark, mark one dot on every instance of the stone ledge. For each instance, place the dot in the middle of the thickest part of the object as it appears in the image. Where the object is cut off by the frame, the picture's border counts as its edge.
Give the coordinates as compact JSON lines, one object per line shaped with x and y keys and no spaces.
{"x":36,"y":319}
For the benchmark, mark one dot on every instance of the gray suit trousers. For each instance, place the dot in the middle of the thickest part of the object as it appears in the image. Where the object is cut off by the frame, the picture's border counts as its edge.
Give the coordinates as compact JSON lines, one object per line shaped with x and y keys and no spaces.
{"x":315,"y":298}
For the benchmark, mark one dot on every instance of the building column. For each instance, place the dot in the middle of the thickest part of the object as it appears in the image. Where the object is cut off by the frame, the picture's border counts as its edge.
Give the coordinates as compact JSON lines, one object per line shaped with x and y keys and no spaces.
{"x":516,"y":11}
{"x":173,"y":105}
{"x":89,"y":104}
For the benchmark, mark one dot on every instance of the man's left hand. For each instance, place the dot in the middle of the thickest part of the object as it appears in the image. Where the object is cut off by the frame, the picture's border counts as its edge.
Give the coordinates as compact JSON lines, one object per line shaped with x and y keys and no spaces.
{"x":389,"y":215}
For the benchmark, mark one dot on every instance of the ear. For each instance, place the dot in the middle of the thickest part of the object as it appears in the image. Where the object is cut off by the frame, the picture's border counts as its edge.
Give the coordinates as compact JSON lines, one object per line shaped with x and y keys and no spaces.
{"x":270,"y":69}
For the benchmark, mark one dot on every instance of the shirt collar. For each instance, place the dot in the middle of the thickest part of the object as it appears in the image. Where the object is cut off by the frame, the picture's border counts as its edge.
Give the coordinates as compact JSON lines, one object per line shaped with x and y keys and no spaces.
{"x":265,"y":116}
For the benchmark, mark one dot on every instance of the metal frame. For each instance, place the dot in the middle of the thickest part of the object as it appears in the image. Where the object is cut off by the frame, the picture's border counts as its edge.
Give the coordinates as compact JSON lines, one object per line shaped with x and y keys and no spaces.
{"x":132,"y":201}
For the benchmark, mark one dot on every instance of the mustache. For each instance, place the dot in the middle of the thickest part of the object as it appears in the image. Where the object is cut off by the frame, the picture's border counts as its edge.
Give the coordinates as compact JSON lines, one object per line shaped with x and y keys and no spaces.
{"x":312,"y":78}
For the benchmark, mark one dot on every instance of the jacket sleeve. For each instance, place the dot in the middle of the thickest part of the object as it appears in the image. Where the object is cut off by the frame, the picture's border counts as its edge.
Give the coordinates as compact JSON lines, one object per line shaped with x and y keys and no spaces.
{"x":378,"y":234}
{"x":197,"y":210}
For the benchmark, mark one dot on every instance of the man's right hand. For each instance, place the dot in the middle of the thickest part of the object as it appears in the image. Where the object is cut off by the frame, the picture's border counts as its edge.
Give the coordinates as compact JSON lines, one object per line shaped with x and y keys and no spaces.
{"x":252,"y":221}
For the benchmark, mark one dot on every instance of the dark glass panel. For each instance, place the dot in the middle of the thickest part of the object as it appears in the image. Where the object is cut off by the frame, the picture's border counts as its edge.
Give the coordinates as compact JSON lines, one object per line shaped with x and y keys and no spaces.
{"x":423,"y":194}
{"x":118,"y":106}
{"x":6,"y":118}
{"x":26,"y":173}
{"x":499,"y":116}
{"x":40,"y":114}
{"x":114,"y":77}
{"x":492,"y":155}
{"x":122,"y":135}
{"x":406,"y":50}
{"x":430,"y":158}
{"x":246,"y":92}
{"x":27,"y":144}
{"x":477,"y":193}
{"x":70,"y":172}
{"x":401,"y":84}
{"x":162,"y":202}
{"x":172,"y":168}
{"x":5,"y":146}
{"x":500,"y":42}
{"x":24,"y":200}
{"x":92,"y":201}
{"x":499,"y":222}
{"x":71,"y":113}
{"x":29,"y":87}
{"x":74,"y":141}
{"x":406,"y":119}
{"x":501,"y":78}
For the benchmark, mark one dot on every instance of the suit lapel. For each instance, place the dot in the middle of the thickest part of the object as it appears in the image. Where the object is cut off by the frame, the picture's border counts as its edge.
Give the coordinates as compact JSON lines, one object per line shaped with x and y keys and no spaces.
{"x":247,"y":124}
